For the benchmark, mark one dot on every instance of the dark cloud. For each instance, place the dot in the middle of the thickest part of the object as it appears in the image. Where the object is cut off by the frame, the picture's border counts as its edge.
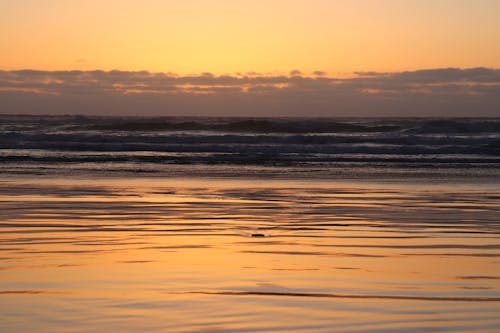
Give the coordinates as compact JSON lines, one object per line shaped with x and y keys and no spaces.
{"x":319,"y":73}
{"x":429,"y":92}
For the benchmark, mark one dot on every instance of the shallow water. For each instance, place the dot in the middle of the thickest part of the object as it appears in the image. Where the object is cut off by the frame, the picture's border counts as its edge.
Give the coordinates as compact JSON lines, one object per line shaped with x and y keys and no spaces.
{"x":248,"y":255}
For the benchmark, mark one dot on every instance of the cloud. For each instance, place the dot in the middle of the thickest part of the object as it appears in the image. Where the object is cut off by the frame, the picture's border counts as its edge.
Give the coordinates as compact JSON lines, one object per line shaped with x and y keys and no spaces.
{"x":429,"y":92}
{"x":320,"y":73}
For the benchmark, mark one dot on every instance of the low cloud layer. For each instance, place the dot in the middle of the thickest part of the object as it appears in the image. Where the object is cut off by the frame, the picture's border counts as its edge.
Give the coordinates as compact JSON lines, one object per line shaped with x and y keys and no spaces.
{"x":433,"y":92}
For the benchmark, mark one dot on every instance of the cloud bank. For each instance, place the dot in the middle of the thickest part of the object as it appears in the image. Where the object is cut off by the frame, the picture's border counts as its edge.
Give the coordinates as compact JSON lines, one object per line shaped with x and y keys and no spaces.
{"x":431,"y":92}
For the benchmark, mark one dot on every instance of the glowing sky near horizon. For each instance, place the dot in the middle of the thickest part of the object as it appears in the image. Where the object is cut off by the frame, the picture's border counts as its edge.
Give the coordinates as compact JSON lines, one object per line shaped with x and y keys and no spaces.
{"x":229,"y":36}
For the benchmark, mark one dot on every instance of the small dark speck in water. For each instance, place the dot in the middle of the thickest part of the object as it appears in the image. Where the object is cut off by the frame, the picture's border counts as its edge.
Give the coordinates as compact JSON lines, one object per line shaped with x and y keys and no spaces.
{"x":258,"y":235}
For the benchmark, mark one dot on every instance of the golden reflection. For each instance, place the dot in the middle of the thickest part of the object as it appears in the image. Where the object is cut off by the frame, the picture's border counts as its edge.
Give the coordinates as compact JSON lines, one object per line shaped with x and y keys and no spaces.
{"x":330,"y":250}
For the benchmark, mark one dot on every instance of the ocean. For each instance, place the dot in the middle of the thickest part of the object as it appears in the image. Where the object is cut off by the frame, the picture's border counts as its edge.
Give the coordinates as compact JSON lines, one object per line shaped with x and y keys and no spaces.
{"x":116,"y":224}
{"x":249,"y":146}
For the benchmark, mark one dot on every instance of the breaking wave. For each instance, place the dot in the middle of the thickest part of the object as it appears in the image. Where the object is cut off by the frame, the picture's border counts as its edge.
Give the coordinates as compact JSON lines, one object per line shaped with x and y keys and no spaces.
{"x":386,"y":143}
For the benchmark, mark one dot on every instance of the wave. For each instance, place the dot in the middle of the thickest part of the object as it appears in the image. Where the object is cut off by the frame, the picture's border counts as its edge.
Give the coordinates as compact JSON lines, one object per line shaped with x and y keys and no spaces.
{"x":255,"y":125}
{"x":248,"y":125}
{"x":326,"y":143}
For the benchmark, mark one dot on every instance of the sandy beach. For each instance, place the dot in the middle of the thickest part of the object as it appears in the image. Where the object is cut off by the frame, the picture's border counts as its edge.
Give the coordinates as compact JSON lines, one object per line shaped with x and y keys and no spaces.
{"x":248,"y":255}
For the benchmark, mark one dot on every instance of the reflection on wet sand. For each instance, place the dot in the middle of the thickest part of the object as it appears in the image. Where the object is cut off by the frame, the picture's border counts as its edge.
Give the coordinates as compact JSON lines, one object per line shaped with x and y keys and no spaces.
{"x":179,"y":255}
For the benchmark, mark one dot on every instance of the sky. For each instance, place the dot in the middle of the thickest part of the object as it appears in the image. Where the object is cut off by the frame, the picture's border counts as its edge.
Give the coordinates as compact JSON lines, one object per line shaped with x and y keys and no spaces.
{"x":323,"y":56}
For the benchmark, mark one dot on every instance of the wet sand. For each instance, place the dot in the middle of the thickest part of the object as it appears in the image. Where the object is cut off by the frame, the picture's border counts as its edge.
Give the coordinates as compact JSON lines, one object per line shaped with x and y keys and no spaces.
{"x":248,"y":255}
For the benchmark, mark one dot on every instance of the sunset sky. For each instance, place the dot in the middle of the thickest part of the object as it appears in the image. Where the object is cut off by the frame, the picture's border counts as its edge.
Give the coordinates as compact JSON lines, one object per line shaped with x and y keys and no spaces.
{"x":235,"y":38}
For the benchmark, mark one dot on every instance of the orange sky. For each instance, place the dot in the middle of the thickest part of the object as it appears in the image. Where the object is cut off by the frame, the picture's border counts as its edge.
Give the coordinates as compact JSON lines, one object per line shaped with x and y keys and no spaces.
{"x":228,"y":36}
